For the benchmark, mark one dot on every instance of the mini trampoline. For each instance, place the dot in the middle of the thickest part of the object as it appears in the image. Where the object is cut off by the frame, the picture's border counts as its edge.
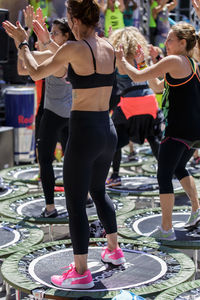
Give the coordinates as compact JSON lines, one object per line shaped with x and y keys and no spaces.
{"x":149,"y":269}
{"x":187,"y":290}
{"x":29,"y":208}
{"x":29,"y":173}
{"x":12,"y":190}
{"x":141,"y":222}
{"x":16,"y":236}
{"x":141,"y":186}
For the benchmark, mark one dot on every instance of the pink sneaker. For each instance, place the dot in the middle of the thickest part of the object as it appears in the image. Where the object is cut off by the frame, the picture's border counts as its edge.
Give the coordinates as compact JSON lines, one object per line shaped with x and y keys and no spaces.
{"x":115,"y":257}
{"x":72,"y":280}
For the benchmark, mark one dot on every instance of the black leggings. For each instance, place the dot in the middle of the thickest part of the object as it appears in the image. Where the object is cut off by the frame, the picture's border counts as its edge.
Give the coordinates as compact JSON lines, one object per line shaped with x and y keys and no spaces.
{"x":53,"y":128}
{"x":123,"y":140}
{"x":88,"y":155}
{"x":172,"y":159}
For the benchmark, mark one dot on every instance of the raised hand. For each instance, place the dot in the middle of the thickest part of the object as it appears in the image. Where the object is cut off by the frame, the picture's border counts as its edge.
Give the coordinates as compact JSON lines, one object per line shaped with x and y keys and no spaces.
{"x":139,"y":54}
{"x":29,"y":16}
{"x":41,"y":31}
{"x":39,"y":16}
{"x":16,"y":32}
{"x":196,"y":4}
{"x":119,"y":53}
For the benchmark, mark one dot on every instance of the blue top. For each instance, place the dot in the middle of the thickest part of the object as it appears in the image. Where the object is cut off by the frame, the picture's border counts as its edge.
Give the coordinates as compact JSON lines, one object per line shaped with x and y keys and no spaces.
{"x":90,"y":81}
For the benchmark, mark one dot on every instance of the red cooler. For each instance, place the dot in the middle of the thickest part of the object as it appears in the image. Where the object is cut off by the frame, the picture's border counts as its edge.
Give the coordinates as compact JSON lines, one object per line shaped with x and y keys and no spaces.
{"x":19,"y":105}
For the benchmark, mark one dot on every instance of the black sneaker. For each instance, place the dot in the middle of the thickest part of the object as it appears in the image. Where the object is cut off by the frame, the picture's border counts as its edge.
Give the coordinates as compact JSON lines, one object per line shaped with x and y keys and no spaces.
{"x":49,"y":214}
{"x":132,"y":156}
{"x":89,"y":202}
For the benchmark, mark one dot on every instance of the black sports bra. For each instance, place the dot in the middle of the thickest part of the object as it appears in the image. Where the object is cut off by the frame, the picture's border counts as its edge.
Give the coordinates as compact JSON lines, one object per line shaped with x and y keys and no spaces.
{"x":93,"y":80}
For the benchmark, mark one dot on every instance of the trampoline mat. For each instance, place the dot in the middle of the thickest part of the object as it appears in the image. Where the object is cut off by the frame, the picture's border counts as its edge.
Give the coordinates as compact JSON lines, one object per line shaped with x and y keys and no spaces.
{"x":31,"y":173}
{"x":193,"y":294}
{"x":146,"y":224}
{"x":8,"y":236}
{"x":5,"y":190}
{"x":141,"y":268}
{"x":32,"y":206}
{"x":139,"y":184}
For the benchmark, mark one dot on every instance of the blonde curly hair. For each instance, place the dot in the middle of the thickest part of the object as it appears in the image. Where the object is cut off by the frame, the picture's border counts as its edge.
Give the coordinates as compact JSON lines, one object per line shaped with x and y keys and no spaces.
{"x":130,"y":38}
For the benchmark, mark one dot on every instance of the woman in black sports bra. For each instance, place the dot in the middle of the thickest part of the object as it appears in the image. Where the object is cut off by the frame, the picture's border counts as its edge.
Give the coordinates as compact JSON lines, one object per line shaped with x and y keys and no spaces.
{"x":92,"y":136}
{"x":181,"y":108}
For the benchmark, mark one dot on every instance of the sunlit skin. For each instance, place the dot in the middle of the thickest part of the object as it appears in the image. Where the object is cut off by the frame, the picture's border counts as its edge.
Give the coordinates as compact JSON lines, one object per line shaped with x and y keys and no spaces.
{"x":175,"y":46}
{"x":57,"y":35}
{"x":178,"y":67}
{"x":79,"y":55}
{"x":196,"y":5}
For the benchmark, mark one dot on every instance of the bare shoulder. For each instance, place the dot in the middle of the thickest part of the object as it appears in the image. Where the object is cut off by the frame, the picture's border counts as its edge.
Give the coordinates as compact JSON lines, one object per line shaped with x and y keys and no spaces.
{"x":106,"y":46}
{"x":70,"y":49}
{"x":172,"y":59}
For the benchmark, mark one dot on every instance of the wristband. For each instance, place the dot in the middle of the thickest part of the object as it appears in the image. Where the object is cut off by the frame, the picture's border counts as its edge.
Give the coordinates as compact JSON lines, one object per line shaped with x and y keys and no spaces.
{"x":24,"y":43}
{"x":158,"y":57}
{"x":142,"y":65}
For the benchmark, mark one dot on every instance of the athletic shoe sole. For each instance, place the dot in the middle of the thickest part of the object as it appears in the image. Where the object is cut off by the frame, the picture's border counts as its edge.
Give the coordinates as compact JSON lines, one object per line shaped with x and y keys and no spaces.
{"x":193,"y":224}
{"x":113,"y":184}
{"x":114,"y":262}
{"x":76,"y":286}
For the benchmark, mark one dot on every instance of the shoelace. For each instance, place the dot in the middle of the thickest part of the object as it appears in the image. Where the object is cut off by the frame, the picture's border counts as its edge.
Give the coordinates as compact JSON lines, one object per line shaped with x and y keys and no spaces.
{"x":65,"y":274}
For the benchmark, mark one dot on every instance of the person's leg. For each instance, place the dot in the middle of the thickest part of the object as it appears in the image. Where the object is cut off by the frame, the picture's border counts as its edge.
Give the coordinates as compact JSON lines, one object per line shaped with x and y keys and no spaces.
{"x":104,"y":205}
{"x":188,"y":184}
{"x":189,"y":187}
{"x":122,"y":140}
{"x":154,"y":144}
{"x":170,"y":155}
{"x":84,"y":145}
{"x":48,"y":135}
{"x":76,"y":184}
{"x":186,"y":180}
{"x":116,"y":163}
{"x":167,"y":204}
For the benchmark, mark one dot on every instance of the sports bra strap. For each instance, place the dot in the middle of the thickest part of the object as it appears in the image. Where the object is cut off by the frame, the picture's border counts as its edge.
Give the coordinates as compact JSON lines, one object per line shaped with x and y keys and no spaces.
{"x":94,"y":61}
{"x":192,"y":63}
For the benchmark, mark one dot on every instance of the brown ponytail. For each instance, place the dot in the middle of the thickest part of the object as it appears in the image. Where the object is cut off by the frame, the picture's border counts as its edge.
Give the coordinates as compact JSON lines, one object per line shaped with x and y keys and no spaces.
{"x":85,"y":10}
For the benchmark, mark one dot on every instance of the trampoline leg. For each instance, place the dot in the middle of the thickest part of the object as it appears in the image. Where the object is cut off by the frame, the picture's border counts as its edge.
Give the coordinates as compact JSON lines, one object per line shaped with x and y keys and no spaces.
{"x":3,"y":288}
{"x":195,"y":258}
{"x":7,"y":290}
{"x":152,"y":202}
{"x":51,"y":232}
{"x":18,"y":295}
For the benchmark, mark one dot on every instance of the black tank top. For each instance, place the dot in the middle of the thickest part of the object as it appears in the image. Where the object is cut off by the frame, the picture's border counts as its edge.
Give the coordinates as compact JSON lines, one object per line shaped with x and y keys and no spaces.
{"x":181,"y":105}
{"x":90,"y":81}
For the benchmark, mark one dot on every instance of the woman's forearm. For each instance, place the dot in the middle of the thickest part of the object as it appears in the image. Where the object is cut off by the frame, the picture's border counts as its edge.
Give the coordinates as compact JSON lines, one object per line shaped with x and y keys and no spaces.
{"x":29,"y":61}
